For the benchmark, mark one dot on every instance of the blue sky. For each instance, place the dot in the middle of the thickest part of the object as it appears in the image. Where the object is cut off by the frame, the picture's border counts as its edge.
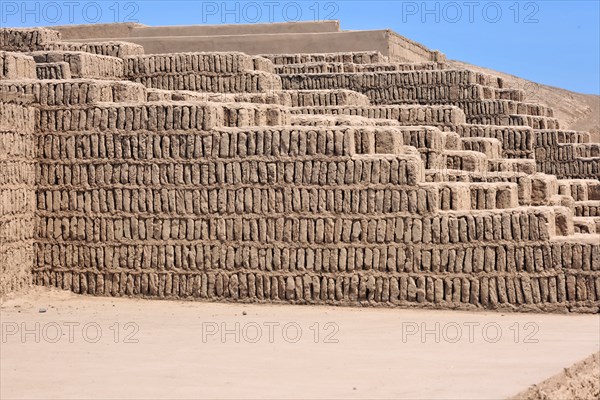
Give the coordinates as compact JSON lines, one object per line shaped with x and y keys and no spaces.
{"x":551,"y":42}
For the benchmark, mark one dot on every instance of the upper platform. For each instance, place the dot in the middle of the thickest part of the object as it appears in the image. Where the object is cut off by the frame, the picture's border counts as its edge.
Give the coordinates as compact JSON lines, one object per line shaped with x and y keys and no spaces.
{"x":272,"y":38}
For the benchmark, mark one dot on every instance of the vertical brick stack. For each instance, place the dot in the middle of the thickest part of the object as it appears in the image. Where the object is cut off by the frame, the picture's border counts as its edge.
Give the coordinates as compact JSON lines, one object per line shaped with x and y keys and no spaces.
{"x":17,"y":193}
{"x":16,"y":66}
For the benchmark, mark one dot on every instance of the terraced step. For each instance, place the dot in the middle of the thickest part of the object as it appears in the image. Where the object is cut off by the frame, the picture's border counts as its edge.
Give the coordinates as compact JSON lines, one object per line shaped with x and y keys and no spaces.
{"x":447,"y":175}
{"x":510,"y":94}
{"x":586,"y":150}
{"x":340,"y":67}
{"x":110,"y":48}
{"x":362,"y":82}
{"x":498,"y":108}
{"x":576,"y":239}
{"x":246,"y":82}
{"x":74,"y":93}
{"x":512,"y":165}
{"x":475,"y":100}
{"x":440,"y":116}
{"x":580,"y":189}
{"x":360,"y":57}
{"x":517,"y":142}
{"x":490,"y":80}
{"x":523,"y":181}
{"x":84,"y":65}
{"x":411,"y":87}
{"x":160,"y":116}
{"x":288,"y":98}
{"x":471,"y":161}
{"x":452,"y":141}
{"x":567,"y":154}
{"x":460,"y":95}
{"x":339,"y":120}
{"x":477,"y":196}
{"x":536,"y":122}
{"x":138,"y":66}
{"x":16,"y":66}
{"x":589,"y":208}
{"x":27,"y":39}
{"x":492,"y":148}
{"x":225,"y":72}
{"x":587,"y":225}
{"x":577,"y":168}
{"x":311,"y":98}
{"x":57,"y":70}
{"x":428,"y":141}
{"x":551,"y":137}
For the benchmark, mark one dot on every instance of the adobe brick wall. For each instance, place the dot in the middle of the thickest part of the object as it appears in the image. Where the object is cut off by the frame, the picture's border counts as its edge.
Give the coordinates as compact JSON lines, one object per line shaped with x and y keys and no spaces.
{"x":210,"y":177}
{"x":17,"y":193}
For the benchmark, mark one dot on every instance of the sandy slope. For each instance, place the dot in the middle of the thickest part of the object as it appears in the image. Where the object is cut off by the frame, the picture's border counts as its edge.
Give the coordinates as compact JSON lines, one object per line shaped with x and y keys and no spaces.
{"x":167,"y":350}
{"x":580,"y":381}
{"x":575,"y":111}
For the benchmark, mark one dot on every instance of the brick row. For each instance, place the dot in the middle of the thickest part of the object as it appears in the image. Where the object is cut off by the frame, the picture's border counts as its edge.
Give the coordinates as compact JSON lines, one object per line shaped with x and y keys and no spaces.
{"x":524,"y":225}
{"x":112,"y":48}
{"x":219,"y":143}
{"x":249,"y":199}
{"x":361,"y":57}
{"x":406,"y":115}
{"x":84,"y":65}
{"x":27,"y":39}
{"x":547,"y":293}
{"x":470,"y":258}
{"x":137,"y":66}
{"x":251,"y":82}
{"x":56,"y":70}
{"x":384,"y":169}
{"x":75,"y":92}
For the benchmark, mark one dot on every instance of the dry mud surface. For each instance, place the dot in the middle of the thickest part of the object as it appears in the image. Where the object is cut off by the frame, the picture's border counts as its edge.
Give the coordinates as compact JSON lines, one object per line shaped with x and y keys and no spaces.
{"x":60,"y":345}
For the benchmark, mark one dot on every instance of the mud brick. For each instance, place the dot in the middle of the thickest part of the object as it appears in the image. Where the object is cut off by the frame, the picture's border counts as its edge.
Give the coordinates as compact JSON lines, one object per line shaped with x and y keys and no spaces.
{"x":16,"y":65}
{"x":253,"y":193}
{"x":27,"y":39}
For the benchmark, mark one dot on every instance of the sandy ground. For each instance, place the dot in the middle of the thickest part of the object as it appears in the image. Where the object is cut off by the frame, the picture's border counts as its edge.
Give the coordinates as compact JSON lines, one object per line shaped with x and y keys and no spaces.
{"x":579,"y":381}
{"x":59,"y":345}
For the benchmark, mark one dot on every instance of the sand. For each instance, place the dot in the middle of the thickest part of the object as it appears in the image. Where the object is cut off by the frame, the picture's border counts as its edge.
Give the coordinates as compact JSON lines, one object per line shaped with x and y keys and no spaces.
{"x":579,"y":381}
{"x":170,"y":349}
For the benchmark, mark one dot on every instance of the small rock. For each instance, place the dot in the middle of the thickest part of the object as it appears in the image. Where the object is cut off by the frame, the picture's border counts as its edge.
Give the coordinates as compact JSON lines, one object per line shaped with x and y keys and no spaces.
{"x":42,"y":310}
{"x":244,"y":313}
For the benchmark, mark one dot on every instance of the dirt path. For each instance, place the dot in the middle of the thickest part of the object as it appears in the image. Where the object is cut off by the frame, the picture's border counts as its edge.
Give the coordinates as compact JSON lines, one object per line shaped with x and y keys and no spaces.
{"x":196,"y":350}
